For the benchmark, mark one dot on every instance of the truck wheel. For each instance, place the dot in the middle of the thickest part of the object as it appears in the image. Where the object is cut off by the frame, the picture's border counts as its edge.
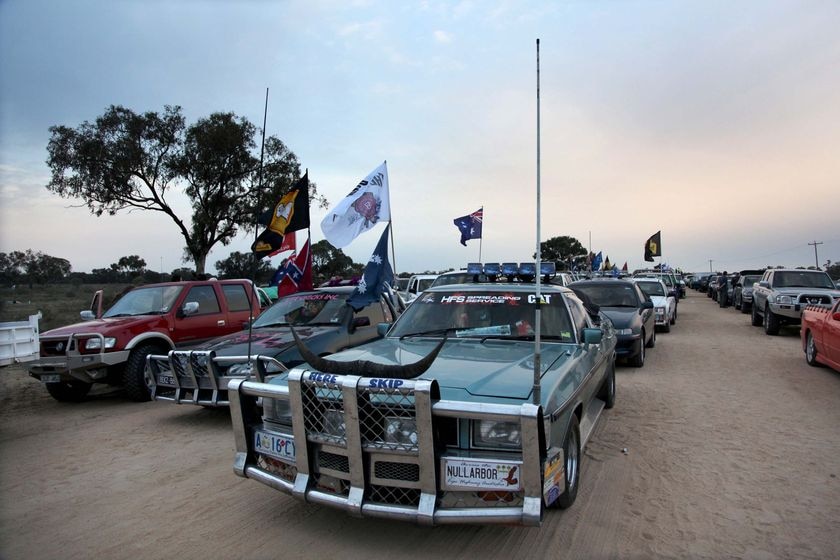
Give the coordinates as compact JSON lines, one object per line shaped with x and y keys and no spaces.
{"x":771,"y":322}
{"x":811,"y":350}
{"x":607,"y":391}
{"x":756,"y":318}
{"x":68,"y":391}
{"x":134,"y":377}
{"x":571,"y":465}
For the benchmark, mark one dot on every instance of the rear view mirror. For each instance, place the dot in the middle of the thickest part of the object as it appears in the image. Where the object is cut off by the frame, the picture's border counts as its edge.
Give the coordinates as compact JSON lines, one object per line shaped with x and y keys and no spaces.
{"x":87,"y":315}
{"x":382,"y":328}
{"x":647,"y":305}
{"x":189,"y":308}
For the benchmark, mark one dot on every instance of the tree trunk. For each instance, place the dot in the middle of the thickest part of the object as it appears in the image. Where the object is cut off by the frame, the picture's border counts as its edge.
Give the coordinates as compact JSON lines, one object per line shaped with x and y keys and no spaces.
{"x":199,"y":263}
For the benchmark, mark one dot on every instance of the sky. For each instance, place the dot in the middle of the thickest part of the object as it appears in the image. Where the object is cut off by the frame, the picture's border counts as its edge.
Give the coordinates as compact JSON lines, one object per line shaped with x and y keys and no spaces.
{"x":715,"y":122}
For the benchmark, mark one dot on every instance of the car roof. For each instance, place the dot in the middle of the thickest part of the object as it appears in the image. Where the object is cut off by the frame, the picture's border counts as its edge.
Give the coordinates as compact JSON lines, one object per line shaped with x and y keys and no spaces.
{"x":526,"y":287}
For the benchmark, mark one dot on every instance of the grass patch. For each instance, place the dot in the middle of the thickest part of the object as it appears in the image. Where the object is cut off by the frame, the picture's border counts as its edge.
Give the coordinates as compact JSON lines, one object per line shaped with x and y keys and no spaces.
{"x":59,"y":304}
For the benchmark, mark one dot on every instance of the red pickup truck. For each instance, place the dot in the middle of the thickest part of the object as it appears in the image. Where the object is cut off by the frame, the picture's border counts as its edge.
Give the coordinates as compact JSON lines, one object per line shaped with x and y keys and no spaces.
{"x":821,"y":335}
{"x":111,"y":347}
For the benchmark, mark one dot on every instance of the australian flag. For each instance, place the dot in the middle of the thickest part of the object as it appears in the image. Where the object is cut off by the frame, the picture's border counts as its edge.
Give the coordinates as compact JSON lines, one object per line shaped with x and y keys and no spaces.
{"x":596,"y":263}
{"x":377,"y":273}
{"x":470,"y":225}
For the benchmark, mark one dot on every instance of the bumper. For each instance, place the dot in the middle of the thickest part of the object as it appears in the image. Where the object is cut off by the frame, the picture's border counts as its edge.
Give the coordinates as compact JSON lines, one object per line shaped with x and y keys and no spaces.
{"x":628,"y":346}
{"x":792,"y":312}
{"x":360,"y":470}
{"x":89,"y":368}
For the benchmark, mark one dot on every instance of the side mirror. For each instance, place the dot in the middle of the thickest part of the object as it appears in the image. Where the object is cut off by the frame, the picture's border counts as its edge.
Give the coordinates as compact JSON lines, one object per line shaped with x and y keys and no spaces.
{"x":647,"y":305}
{"x":592,"y":336}
{"x":361,"y":322}
{"x":87,"y":315}
{"x":382,"y":328}
{"x":764,"y":284}
{"x":672,"y":293}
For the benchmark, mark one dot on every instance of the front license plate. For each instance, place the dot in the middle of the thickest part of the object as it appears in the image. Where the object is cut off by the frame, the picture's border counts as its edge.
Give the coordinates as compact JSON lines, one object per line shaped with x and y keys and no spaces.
{"x":50,"y":379}
{"x":166,"y":380}
{"x":278,"y":446}
{"x":470,"y":474}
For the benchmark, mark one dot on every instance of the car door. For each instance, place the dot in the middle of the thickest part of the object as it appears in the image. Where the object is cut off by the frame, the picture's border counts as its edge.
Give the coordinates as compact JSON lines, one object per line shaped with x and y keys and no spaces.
{"x":208,"y":322}
{"x":648,"y":315}
{"x":831,"y":334}
{"x":238,"y":304}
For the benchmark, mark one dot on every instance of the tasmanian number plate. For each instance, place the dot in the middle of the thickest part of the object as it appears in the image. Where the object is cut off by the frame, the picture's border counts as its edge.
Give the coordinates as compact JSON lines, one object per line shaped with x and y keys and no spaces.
{"x":278,"y":446}
{"x":50,"y":379}
{"x":165,"y":380}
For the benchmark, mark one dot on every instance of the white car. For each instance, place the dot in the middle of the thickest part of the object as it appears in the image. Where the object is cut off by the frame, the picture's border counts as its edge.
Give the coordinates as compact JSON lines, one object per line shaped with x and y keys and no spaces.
{"x":664,"y":305}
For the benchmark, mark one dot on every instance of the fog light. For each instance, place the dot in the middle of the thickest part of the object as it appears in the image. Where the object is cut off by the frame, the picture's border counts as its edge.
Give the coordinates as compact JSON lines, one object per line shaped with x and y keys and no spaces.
{"x":402,"y":431}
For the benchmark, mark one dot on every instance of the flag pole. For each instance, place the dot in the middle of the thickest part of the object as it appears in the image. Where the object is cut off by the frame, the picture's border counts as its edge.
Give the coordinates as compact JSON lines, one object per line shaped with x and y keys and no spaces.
{"x":481,"y":239}
{"x":391,"y":233}
{"x":537,"y":365}
{"x":257,"y":225}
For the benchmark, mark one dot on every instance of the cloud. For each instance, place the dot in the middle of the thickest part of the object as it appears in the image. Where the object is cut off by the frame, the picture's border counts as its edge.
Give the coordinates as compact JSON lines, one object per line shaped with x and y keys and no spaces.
{"x":443,"y":36}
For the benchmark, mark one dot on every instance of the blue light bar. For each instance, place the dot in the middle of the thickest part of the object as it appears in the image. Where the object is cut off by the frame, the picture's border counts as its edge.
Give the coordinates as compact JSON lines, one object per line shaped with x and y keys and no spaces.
{"x":547,"y":268}
{"x":510,"y":268}
{"x":492,"y":269}
{"x":527,"y":269}
{"x":474,"y":268}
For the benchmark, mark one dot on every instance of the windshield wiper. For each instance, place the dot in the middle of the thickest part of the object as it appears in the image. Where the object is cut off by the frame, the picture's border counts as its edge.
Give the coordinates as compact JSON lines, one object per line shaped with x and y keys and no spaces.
{"x":432,"y":332}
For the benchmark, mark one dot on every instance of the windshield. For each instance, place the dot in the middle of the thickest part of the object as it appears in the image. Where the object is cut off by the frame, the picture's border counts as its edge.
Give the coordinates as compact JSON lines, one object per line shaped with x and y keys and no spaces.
{"x":448,"y":279}
{"x":614,"y":295}
{"x":145,"y":301}
{"x":484,"y":314}
{"x":802,"y":279}
{"x":748,"y":281}
{"x":652,"y":288}
{"x":305,"y":308}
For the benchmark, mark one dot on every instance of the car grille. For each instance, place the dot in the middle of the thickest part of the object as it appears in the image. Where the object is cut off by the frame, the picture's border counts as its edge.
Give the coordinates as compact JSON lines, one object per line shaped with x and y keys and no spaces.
{"x":815,"y":299}
{"x":56,"y":347}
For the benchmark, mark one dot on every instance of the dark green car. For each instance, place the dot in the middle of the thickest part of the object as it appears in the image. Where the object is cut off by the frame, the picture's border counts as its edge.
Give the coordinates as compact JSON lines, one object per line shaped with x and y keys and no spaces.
{"x":439,"y":422}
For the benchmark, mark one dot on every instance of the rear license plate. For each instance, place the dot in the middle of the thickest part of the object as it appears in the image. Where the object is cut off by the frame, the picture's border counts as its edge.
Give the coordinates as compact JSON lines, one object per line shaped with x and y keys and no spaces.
{"x":165,"y":380}
{"x":278,"y":446}
{"x":50,"y":379}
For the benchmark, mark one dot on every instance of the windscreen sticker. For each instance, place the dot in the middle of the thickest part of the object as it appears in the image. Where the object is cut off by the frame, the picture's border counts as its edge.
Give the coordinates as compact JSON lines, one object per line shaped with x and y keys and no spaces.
{"x":495,"y":330}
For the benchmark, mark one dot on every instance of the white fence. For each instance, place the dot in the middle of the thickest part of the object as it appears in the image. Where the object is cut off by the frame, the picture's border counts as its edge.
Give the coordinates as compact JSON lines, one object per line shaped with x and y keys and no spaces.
{"x":19,"y":341}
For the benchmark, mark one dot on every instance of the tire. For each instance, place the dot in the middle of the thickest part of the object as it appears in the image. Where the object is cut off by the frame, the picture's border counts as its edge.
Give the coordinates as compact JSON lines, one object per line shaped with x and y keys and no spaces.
{"x":771,"y":322}
{"x":674,"y":318}
{"x":136,"y":385}
{"x":811,"y":350}
{"x":571,"y":459}
{"x":652,"y":342}
{"x":666,"y":327}
{"x":68,"y":391}
{"x":639,"y":359}
{"x":744,"y":308}
{"x":755,"y":317}
{"x":607,"y":391}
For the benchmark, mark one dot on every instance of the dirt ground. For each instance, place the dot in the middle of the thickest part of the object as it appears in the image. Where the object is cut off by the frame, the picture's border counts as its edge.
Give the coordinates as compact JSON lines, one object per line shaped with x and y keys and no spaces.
{"x":732,"y":451}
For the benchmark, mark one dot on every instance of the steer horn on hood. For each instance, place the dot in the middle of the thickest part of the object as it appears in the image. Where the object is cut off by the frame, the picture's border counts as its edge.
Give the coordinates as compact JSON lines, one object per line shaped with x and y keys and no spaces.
{"x":365,"y":368}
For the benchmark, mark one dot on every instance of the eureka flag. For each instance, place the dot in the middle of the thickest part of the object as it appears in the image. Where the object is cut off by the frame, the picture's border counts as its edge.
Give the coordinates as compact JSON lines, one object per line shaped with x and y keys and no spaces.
{"x":378,"y":272}
{"x":288,"y":215}
{"x":365,"y":206}
{"x":653,"y":246}
{"x":470,"y":225}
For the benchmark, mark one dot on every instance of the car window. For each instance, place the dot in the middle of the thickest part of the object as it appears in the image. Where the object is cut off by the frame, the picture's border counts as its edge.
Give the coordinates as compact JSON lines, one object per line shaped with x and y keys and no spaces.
{"x":652,"y":288}
{"x":144,"y":301}
{"x":485,"y":314}
{"x":236,"y":297}
{"x":305,"y":308}
{"x":206,"y":298}
{"x":802,"y":279}
{"x":613,"y":295}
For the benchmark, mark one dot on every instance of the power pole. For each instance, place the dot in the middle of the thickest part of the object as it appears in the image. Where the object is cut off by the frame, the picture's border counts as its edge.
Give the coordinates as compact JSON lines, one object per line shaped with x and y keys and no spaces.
{"x":710,"y":265}
{"x":816,"y":258}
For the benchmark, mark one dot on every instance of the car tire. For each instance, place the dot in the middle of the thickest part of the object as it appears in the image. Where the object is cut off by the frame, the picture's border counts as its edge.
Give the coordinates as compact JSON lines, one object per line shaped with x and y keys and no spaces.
{"x":571,"y":467}
{"x":674,"y":318}
{"x":135,"y":382}
{"x":744,"y":308}
{"x":771,"y":322}
{"x":737,"y":304}
{"x":607,"y":391}
{"x":68,"y":391}
{"x":811,"y":350}
{"x":639,"y":359}
{"x":756,"y":319}
{"x":666,"y":327}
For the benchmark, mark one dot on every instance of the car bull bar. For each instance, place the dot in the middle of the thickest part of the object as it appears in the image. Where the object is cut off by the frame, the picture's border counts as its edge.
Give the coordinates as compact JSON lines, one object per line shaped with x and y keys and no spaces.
{"x":384,"y":448}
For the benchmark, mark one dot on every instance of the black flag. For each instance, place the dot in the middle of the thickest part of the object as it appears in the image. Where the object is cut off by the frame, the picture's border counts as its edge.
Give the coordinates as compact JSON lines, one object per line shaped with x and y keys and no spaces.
{"x":288,"y":215}
{"x":653,"y":246}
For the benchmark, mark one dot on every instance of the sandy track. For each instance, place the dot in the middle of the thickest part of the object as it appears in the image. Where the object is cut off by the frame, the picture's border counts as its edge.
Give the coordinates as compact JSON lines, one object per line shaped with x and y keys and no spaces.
{"x":733,"y":451}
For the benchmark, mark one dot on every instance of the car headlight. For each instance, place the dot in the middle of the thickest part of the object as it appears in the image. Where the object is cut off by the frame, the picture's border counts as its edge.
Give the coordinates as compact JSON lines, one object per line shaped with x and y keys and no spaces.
{"x":278,"y":410}
{"x":96,"y":343}
{"x":784,"y":299}
{"x":334,"y":424}
{"x":624,"y":331}
{"x":491,"y":433}
{"x":402,"y":431}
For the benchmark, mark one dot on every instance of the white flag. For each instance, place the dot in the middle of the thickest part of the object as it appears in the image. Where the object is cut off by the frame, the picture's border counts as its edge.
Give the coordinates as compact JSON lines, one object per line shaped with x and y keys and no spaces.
{"x":363,"y":208}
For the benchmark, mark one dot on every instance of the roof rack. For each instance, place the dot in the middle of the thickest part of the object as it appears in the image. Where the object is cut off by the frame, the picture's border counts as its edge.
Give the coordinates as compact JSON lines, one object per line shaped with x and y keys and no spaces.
{"x":511,"y":271}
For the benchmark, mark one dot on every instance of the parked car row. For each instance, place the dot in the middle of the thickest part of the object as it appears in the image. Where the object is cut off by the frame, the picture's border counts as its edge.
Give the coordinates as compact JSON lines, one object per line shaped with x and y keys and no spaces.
{"x":776,"y":298}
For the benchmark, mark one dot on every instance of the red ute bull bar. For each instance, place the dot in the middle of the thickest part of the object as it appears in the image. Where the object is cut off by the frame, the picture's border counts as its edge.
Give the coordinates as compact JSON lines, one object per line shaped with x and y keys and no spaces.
{"x":383,"y":448}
